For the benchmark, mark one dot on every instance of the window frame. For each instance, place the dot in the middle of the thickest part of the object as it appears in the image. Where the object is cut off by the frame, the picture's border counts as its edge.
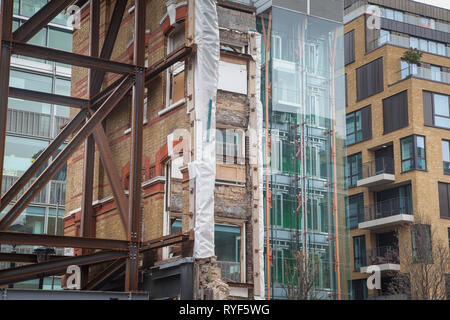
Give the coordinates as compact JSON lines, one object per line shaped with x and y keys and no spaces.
{"x":362,"y":256}
{"x":238,"y":146}
{"x":433,"y":94}
{"x":242,"y":253}
{"x":359,"y":199}
{"x":349,"y":175}
{"x":414,"y":153}
{"x":444,"y":163}
{"x":174,"y":70}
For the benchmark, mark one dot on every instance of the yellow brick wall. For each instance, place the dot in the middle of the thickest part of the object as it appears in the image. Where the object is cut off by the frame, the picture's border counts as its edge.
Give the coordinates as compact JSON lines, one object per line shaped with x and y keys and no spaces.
{"x":424,"y":183}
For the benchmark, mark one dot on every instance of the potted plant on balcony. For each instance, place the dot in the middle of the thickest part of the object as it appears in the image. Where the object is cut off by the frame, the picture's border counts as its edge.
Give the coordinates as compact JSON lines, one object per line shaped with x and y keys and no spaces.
{"x":412,"y":56}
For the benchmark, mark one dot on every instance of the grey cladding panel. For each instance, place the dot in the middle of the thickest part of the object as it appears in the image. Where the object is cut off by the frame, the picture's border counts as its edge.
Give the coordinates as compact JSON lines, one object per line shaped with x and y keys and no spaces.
{"x":427,"y":108}
{"x":395,"y":112}
{"x":415,"y":31}
{"x":297,"y":5}
{"x":349,"y":50}
{"x":369,"y":79}
{"x":328,"y":9}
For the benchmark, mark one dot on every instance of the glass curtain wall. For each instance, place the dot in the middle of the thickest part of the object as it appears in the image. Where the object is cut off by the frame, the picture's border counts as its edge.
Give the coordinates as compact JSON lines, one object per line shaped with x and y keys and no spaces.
{"x":31,"y":126}
{"x":306,"y":115}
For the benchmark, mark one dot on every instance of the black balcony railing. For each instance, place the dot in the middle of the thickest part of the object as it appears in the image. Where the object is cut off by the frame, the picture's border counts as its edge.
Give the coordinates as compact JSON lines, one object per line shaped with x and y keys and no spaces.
{"x":378,"y":166}
{"x":388,"y":208}
{"x":382,"y":255}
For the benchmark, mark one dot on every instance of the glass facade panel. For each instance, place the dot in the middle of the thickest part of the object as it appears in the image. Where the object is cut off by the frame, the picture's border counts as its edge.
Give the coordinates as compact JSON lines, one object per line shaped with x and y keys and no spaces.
{"x":306,"y":64}
{"x":30,"y":128}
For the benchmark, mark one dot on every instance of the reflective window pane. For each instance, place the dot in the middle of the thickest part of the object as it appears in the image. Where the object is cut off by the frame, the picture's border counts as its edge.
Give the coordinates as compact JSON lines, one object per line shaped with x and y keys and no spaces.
{"x":414,"y":43}
{"x":59,"y":39}
{"x":441,"y":106}
{"x":20,"y":153}
{"x":62,"y":87}
{"x":227,"y":249}
{"x":30,"y":7}
{"x":30,"y":81}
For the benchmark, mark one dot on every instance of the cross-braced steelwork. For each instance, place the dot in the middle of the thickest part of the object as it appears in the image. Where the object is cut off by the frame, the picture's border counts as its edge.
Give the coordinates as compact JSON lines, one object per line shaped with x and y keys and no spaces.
{"x":84,"y":126}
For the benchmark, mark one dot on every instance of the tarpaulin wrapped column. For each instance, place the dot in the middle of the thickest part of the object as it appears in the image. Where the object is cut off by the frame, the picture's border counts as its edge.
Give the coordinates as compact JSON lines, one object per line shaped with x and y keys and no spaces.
{"x":203,"y":168}
{"x":259,"y":131}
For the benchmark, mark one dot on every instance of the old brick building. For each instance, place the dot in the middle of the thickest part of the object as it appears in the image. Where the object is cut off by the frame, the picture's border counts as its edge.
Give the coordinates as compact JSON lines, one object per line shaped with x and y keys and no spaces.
{"x":168,"y":189}
{"x":256,"y":109}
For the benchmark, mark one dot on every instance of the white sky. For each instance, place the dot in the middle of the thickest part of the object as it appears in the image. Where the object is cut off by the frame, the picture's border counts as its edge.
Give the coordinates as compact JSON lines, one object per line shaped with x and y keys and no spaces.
{"x":439,"y":3}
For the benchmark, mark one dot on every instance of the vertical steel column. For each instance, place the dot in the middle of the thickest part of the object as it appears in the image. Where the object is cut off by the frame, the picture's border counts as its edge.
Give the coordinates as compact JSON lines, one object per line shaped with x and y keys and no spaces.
{"x":131,"y":279}
{"x":5,"y":60}
{"x":87,"y":212}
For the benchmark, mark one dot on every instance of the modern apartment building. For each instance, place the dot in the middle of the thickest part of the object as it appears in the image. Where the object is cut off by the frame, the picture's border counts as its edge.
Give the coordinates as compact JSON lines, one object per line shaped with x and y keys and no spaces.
{"x":31,"y":126}
{"x":234,"y":121}
{"x":397,"y":145}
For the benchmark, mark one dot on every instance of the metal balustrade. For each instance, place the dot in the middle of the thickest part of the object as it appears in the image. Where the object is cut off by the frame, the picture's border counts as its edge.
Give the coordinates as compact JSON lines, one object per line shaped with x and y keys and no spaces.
{"x":383,"y":255}
{"x":377,"y":166}
{"x":424,"y":73}
{"x":51,"y":190}
{"x":387,"y":208}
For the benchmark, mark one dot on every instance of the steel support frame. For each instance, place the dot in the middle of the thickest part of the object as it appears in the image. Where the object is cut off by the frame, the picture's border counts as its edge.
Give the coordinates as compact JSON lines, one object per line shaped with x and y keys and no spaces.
{"x":93,"y":111}
{"x":134,"y":229}
{"x":5,"y":62}
{"x":87,"y":226}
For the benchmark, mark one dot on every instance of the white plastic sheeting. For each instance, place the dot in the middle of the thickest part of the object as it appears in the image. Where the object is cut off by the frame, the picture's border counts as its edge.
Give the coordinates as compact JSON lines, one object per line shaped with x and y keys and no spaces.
{"x":233,"y":77}
{"x":203,"y":168}
{"x":259,"y":129}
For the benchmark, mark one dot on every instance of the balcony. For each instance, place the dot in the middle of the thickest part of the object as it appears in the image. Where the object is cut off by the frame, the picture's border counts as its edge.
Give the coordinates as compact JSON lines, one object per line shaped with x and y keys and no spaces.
{"x":377,"y":172}
{"x":54,"y":193}
{"x":404,"y":42}
{"x":388,"y":213}
{"x":385,"y":257}
{"x":432,"y":74}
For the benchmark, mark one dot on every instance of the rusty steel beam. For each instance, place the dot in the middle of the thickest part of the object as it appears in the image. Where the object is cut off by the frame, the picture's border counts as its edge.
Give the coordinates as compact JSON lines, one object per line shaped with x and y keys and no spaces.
{"x":40,"y":19}
{"x":108,"y":44}
{"x":135,"y":197}
{"x":48,"y":98}
{"x":5,"y":60}
{"x":51,"y":149}
{"x":180,"y":54}
{"x":58,"y":264}
{"x":104,"y":275}
{"x":62,"y":241}
{"x":166,"y":241}
{"x":87,"y":210}
{"x":24,"y":258}
{"x":62,"y":157}
{"x":72,"y":58}
{"x":100,"y":97}
{"x":32,"y":277}
{"x":112,"y":174}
